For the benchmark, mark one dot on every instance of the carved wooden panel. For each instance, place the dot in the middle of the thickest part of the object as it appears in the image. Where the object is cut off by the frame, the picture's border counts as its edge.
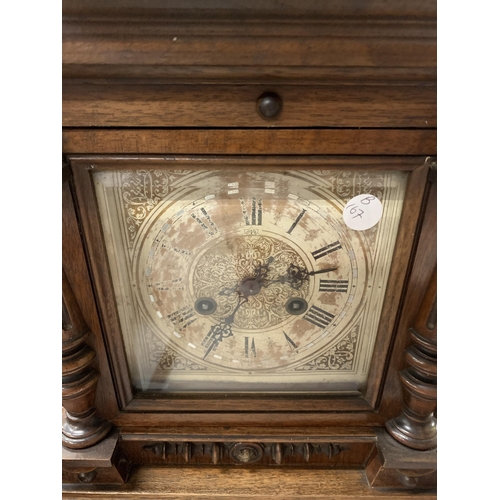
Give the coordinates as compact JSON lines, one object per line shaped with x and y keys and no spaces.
{"x":344,"y":452}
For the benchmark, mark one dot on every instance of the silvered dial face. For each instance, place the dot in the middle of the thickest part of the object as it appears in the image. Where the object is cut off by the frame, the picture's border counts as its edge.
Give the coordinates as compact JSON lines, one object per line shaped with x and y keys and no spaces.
{"x":248,"y":281}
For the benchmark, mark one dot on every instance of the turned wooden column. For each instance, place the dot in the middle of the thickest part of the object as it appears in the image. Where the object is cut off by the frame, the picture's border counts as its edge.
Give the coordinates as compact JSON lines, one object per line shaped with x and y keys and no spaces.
{"x":82,"y":427}
{"x":416,"y":426}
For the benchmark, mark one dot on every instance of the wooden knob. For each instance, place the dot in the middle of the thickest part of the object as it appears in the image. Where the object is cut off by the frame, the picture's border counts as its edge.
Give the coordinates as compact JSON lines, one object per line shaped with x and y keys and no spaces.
{"x":269,"y":105}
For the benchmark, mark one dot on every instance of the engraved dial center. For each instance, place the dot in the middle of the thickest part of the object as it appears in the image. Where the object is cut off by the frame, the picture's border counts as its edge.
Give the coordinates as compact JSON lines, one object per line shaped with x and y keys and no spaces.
{"x":237,"y":265}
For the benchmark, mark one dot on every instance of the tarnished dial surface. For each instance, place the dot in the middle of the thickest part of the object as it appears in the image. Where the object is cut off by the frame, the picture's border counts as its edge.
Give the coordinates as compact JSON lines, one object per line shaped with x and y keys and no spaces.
{"x":249,"y":280}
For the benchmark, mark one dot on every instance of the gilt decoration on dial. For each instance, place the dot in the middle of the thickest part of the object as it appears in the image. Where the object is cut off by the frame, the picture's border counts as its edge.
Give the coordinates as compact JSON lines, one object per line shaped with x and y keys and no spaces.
{"x":251,"y":276}
{"x":249,"y":282}
{"x":222,"y":271}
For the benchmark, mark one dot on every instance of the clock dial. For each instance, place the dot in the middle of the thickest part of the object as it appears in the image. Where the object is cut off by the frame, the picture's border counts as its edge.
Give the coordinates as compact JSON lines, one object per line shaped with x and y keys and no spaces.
{"x":235,"y":280}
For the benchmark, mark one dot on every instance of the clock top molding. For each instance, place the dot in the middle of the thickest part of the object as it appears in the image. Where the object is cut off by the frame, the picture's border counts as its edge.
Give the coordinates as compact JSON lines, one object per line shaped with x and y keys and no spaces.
{"x":169,"y":64}
{"x":338,"y":65}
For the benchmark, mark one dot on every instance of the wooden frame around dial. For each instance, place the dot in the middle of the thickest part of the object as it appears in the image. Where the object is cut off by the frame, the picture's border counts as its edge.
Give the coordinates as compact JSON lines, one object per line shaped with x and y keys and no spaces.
{"x":262,"y":409}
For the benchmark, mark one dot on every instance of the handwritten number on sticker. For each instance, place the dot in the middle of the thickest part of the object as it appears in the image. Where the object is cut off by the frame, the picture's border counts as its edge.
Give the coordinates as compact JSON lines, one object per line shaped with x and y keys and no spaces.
{"x":355,"y":211}
{"x":368,"y":200}
{"x":362,"y":212}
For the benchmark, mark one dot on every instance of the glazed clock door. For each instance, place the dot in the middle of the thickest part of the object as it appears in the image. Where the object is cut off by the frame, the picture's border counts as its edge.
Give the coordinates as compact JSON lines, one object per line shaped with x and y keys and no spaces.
{"x":227,"y":276}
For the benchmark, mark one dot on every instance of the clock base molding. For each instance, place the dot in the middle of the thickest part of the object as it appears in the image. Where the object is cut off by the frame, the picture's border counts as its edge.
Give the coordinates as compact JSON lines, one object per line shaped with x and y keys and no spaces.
{"x":393,"y":465}
{"x":103,"y":463}
{"x":341,"y":452}
{"x":192,"y":483}
{"x":382,"y":462}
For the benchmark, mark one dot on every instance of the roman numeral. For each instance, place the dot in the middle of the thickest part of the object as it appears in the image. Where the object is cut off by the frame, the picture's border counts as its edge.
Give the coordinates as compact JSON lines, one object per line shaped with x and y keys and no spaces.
{"x":333,"y":285}
{"x":318,"y":317}
{"x":175,"y":284}
{"x":183,"y":317}
{"x":332,"y":247}
{"x":211,"y":228}
{"x":212,"y":224}
{"x":250,"y":348}
{"x":297,"y":220}
{"x":291,"y":343}
{"x":180,"y":251}
{"x":255,"y":217}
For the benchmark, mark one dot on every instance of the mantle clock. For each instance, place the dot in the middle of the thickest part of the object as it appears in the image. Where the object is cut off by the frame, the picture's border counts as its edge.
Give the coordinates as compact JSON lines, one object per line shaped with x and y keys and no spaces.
{"x":249,"y":254}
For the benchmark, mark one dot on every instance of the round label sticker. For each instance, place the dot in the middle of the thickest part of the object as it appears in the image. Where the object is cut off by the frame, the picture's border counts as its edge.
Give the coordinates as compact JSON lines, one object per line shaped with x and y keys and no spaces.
{"x":362,"y":212}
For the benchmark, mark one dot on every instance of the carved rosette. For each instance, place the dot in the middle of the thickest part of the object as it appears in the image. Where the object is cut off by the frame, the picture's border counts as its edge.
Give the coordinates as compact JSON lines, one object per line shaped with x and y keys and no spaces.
{"x":246,"y":453}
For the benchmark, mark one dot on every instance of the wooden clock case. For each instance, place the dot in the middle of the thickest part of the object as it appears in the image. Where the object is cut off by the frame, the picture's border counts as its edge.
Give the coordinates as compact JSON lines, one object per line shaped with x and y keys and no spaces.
{"x":348,"y":84}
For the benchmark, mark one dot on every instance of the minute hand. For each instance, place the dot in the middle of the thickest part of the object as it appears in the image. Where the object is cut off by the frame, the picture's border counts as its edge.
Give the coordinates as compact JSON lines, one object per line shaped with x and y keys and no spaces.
{"x":311,"y":273}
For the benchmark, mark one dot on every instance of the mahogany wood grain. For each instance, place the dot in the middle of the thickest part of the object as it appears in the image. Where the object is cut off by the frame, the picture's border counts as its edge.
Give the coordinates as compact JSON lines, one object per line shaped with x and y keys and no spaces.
{"x":155,"y":420}
{"x":360,"y":41}
{"x":266,"y":51}
{"x":402,"y":163}
{"x":250,"y":141}
{"x":248,"y":433}
{"x":265,"y":9}
{"x":105,"y":25}
{"x":231,"y":75}
{"x":190,"y":483}
{"x":227,"y":402}
{"x":171,"y":106}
